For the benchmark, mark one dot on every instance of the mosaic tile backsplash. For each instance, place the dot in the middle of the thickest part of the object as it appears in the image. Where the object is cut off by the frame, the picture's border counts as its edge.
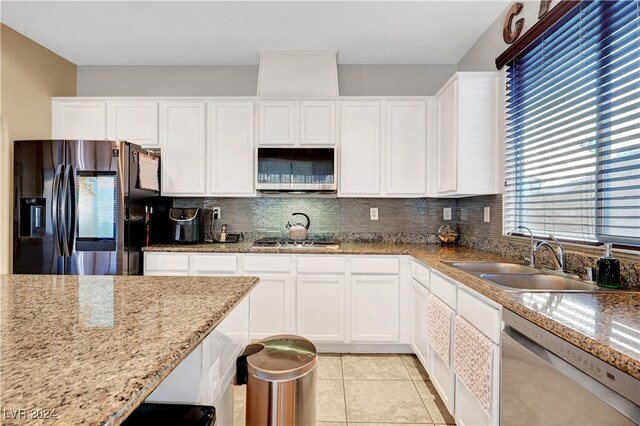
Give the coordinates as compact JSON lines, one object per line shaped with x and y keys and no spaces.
{"x":347,"y":219}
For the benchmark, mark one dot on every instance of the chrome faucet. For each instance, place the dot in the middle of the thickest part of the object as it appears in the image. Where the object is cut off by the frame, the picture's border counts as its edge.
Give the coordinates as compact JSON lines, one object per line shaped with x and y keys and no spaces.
{"x":532,"y":250}
{"x":559,"y":253}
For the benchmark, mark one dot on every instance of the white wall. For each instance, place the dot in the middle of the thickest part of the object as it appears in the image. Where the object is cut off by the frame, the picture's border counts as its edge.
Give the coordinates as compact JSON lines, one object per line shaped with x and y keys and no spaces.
{"x":483,"y":54}
{"x":354,"y":80}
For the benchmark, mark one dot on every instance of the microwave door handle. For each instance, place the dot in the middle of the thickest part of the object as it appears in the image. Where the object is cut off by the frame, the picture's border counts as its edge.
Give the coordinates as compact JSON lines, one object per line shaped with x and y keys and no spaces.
{"x":55,"y":211}
{"x":71,"y":193}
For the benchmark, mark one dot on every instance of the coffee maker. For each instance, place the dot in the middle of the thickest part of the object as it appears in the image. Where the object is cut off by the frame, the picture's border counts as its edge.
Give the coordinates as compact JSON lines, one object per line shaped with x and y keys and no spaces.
{"x":186,"y":225}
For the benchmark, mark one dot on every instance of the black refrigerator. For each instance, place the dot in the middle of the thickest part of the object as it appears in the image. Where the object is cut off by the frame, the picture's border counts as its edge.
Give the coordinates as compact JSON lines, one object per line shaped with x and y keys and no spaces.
{"x":80,"y":207}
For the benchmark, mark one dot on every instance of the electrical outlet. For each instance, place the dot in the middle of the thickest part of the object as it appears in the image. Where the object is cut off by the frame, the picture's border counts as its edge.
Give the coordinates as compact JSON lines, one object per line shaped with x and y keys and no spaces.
{"x":216,"y":211}
{"x":487,"y":214}
{"x":373,"y":213}
{"x":446,"y":213}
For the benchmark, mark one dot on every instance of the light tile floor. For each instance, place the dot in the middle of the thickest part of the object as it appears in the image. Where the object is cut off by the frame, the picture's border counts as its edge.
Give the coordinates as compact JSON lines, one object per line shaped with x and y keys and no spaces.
{"x":371,"y":390}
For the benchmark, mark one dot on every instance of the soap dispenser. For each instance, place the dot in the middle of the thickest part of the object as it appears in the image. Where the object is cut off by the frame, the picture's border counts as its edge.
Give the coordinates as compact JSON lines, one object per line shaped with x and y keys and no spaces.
{"x":608,"y":270}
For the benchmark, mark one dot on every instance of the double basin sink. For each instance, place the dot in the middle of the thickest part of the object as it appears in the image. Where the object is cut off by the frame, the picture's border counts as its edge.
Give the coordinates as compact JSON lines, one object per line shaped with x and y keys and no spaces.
{"x":517,"y":277}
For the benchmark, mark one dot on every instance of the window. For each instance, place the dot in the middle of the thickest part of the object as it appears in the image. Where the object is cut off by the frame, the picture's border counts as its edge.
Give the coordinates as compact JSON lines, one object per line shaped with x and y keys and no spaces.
{"x":573,"y":127}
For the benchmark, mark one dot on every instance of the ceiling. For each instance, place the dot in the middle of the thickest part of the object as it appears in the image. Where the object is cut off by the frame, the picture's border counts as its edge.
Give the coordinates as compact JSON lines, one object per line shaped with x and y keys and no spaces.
{"x":231,"y":32}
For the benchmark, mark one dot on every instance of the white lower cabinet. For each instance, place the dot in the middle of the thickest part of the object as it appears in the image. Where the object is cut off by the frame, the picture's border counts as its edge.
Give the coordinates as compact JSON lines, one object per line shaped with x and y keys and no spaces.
{"x":320,"y":307}
{"x":419,"y":331}
{"x":375,"y":308}
{"x":271,"y":306}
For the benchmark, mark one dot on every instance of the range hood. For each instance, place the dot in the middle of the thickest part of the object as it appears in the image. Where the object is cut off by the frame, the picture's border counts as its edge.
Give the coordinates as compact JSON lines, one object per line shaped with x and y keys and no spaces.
{"x":310,"y":74}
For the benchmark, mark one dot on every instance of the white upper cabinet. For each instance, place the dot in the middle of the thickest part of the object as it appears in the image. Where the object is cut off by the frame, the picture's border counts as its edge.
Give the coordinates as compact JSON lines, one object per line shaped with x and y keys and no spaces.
{"x":74,"y":119}
{"x":133,"y":121}
{"x":182,"y":137}
{"x":296,"y":123}
{"x":405,"y":148}
{"x":230,"y":148}
{"x":317,"y":123}
{"x":277,"y":123}
{"x":359,"y":149}
{"x":392,"y":166}
{"x":467,"y":142}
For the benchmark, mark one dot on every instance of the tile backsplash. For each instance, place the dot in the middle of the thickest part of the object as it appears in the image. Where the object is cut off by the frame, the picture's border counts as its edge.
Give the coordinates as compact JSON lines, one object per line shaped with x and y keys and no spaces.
{"x":400,"y":220}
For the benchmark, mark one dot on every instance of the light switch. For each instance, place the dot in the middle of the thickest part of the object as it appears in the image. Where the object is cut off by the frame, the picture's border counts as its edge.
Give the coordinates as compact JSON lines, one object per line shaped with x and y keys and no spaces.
{"x":373,"y":213}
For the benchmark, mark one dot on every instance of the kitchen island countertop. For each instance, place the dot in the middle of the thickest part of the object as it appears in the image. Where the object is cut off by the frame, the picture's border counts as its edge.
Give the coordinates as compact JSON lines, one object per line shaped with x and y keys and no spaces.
{"x":605,"y":324}
{"x":90,"y":349}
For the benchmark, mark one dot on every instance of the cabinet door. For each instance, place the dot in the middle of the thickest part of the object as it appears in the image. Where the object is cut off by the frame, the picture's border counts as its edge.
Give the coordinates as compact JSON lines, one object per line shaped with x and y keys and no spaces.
{"x":80,"y":120}
{"x":230,"y":148}
{"x":133,"y":121}
{"x":405,"y":148}
{"x":447,"y":176}
{"x":271,"y":306}
{"x":182,"y":137}
{"x":166,"y":263}
{"x":320,"y":308}
{"x":419,"y":338}
{"x":317,"y":123}
{"x":375,"y":308}
{"x":277,"y":123}
{"x":359,"y":149}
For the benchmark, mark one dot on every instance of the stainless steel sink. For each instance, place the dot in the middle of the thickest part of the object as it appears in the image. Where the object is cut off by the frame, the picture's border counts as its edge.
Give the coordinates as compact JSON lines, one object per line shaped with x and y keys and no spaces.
{"x":477,"y":268}
{"x":538,"y":282}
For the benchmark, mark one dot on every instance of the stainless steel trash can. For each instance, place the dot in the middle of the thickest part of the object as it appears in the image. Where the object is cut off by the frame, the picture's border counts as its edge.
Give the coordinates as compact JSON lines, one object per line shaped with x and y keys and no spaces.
{"x":280,"y":374}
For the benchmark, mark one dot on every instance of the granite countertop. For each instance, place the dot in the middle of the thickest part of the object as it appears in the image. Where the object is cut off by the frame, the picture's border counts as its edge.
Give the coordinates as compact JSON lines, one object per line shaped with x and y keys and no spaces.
{"x":90,"y":349}
{"x":605,"y":324}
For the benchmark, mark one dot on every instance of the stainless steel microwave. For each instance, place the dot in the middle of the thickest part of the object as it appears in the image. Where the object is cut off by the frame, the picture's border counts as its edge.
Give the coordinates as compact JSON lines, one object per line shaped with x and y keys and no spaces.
{"x":296,"y":169}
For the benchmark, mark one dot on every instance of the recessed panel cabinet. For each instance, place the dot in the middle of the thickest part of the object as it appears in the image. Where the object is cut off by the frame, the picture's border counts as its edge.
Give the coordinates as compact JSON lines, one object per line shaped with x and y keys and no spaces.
{"x":296,"y":123}
{"x":182,"y":137}
{"x":230,"y":148}
{"x":405,"y":148}
{"x":467,"y":143}
{"x":271,"y":306}
{"x":359,"y":149}
{"x":79,"y":119}
{"x":375,"y":308}
{"x":133,"y":121}
{"x":320,"y":307}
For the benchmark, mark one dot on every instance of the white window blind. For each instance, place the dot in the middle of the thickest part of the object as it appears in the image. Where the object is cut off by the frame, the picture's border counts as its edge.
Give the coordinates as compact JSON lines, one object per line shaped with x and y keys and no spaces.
{"x":573,"y":127}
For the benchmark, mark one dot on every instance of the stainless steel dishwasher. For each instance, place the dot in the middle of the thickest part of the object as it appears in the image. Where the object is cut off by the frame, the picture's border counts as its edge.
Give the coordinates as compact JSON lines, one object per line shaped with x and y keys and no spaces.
{"x":545,"y":380}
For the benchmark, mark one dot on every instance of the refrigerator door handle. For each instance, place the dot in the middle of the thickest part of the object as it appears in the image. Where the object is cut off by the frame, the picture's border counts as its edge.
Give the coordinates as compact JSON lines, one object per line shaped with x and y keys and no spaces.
{"x":72,"y":217}
{"x":67,"y":226}
{"x":55,"y":211}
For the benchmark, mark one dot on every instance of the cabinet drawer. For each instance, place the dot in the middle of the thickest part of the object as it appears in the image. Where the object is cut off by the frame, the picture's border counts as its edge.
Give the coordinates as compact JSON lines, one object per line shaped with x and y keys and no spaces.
{"x":166,"y":262}
{"x":375,"y":265}
{"x":321,"y":264}
{"x":213,"y":263}
{"x":482,"y":316}
{"x":420,"y":273}
{"x":444,"y":289}
{"x":267,"y":263}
